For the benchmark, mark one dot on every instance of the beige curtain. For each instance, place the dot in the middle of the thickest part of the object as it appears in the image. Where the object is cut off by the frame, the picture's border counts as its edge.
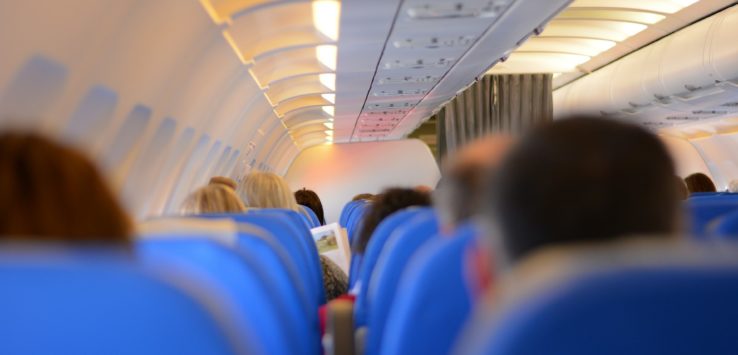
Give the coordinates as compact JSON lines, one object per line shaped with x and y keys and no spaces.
{"x":495,"y":103}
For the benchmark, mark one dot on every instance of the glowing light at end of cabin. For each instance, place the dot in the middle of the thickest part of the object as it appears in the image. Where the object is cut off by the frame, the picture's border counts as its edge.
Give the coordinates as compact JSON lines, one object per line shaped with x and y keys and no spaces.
{"x":328,"y":133}
{"x":327,"y":55}
{"x":328,"y":80}
{"x":326,"y":15}
{"x":330,"y":110}
{"x":328,"y":125}
{"x":329,"y":97}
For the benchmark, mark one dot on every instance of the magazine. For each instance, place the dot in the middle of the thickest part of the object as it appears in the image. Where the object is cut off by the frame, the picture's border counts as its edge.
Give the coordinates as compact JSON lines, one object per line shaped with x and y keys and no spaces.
{"x":332,"y":242}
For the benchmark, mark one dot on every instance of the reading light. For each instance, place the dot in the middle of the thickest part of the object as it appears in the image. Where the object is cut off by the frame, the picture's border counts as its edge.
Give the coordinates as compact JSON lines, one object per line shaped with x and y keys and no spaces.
{"x":326,"y":55}
{"x":329,"y":97}
{"x":326,"y":14}
{"x":328,"y":80}
{"x":330,"y":110}
{"x":328,"y":125}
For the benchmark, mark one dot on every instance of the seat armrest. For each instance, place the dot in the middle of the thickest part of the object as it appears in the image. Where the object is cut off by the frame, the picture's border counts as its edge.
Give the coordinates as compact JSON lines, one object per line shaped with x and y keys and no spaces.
{"x":339,"y":333}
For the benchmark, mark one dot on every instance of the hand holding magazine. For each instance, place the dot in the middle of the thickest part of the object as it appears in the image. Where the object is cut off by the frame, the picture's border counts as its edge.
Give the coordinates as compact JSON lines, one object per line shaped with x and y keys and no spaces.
{"x":332,"y":242}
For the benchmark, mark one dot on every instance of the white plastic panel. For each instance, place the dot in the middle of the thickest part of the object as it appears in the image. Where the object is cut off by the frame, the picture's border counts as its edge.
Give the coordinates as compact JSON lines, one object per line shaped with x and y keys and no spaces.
{"x":337,"y":172}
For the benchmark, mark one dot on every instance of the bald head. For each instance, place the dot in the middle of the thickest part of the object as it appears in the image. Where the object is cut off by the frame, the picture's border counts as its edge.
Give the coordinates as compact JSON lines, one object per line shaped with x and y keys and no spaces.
{"x":457,"y":197}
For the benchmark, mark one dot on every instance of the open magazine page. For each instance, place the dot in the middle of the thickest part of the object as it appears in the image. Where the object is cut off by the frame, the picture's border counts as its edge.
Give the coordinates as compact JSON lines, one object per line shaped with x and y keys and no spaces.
{"x":332,"y":242}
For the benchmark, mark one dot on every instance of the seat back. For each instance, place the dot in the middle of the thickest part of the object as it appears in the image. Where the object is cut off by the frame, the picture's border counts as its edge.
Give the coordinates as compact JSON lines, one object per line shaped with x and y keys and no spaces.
{"x":343,"y":219}
{"x":399,"y":249}
{"x":433,"y":300}
{"x":636,"y":310}
{"x":702,"y":211}
{"x":312,"y":217}
{"x":237,"y":277}
{"x":726,"y":226}
{"x":355,"y":220}
{"x":87,"y":303}
{"x":287,"y":232}
{"x":373,"y":250}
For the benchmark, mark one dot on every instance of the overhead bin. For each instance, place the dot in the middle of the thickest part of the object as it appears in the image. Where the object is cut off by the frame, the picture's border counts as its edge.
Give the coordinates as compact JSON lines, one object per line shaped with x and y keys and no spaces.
{"x":688,"y":76}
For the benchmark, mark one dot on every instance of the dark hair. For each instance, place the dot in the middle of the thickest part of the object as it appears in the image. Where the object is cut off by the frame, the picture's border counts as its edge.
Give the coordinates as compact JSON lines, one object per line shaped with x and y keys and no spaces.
{"x":699,"y":182}
{"x":583,"y":180}
{"x":53,"y":193}
{"x":388,"y":202}
{"x":310,"y":199}
{"x":363,"y":196}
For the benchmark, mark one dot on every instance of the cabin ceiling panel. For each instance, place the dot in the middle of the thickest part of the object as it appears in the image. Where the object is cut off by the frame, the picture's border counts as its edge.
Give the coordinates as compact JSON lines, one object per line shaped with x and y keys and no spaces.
{"x":685,"y":80}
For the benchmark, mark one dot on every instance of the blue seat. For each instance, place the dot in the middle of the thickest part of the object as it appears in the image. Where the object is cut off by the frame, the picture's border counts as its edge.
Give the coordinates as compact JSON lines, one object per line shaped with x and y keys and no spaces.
{"x":241,"y":280}
{"x":398,"y":251}
{"x":289,"y":232}
{"x":373,"y":250}
{"x":89,"y":302}
{"x":312,"y":217}
{"x":303,"y":235}
{"x":655,"y":310}
{"x":433,"y":300}
{"x":725,"y":226}
{"x":354,"y":221}
{"x":343,"y":219}
{"x":702,"y":211}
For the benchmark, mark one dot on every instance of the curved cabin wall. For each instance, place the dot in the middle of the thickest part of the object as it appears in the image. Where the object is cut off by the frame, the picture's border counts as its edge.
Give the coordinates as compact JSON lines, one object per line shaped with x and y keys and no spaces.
{"x":151,"y":89}
{"x":338,"y":172}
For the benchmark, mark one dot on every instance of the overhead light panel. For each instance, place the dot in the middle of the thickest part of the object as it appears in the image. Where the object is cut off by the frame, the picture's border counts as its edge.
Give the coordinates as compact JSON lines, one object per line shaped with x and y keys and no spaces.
{"x":326,"y":15}
{"x":330,"y":110}
{"x":328,"y":133}
{"x":329,"y":97}
{"x":327,"y":55}
{"x":328,"y":125}
{"x":328,"y":80}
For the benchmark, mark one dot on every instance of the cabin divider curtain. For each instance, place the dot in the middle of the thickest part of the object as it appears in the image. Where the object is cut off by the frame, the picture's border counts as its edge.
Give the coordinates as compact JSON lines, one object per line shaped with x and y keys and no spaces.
{"x":509,"y":103}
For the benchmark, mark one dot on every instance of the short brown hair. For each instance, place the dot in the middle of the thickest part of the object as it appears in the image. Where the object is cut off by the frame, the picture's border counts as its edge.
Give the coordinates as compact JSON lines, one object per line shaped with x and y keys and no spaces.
{"x":50,"y":192}
{"x":699,"y":182}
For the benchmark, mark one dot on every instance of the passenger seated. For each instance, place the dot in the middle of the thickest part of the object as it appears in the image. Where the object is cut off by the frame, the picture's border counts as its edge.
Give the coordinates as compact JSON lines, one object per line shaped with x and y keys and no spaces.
{"x":364,"y":196}
{"x":699,"y":182}
{"x":457,"y":197}
{"x":570,"y":185}
{"x":224,"y":180}
{"x":733,"y":186}
{"x":54,"y":193}
{"x":213,"y":198}
{"x":388,"y":202}
{"x":582,"y":180}
{"x":310,"y":199}
{"x":268,"y":190}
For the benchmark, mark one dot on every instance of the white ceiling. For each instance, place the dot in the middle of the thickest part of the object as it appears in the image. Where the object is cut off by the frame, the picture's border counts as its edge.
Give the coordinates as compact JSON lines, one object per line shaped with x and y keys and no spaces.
{"x":397,"y":60}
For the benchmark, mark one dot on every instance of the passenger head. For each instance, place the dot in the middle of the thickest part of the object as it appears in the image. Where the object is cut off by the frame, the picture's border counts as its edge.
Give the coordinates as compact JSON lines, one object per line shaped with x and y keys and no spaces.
{"x":385,"y":204}
{"x":50,"y":192}
{"x":681,"y":187}
{"x":699,"y":182}
{"x":213,"y":198}
{"x":223,"y":180}
{"x":457,"y":196}
{"x":365,"y":197}
{"x":311,"y":200}
{"x":266,"y":190}
{"x":733,"y":186}
{"x":583,"y":180}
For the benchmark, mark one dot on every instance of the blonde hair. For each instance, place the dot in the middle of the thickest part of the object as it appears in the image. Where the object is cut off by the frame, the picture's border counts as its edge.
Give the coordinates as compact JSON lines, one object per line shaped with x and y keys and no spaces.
{"x":213,"y":198}
{"x":267,"y":190}
{"x":224,"y":180}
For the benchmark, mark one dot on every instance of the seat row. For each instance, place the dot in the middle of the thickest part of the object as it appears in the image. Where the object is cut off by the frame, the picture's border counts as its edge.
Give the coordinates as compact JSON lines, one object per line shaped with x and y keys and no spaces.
{"x":220,"y":284}
{"x":416,"y":295}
